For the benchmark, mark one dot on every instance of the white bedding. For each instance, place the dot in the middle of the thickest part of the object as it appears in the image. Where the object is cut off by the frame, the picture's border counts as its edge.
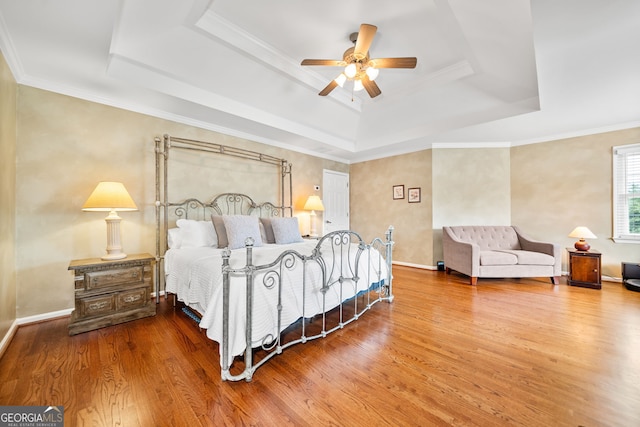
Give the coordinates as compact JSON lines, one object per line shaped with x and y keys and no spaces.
{"x":195,"y":276}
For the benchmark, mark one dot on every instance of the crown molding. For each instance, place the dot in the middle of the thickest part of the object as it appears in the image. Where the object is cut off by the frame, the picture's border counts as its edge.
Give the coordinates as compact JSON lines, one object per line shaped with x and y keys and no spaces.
{"x":9,"y":52}
{"x":578,"y":133}
{"x":217,"y":27}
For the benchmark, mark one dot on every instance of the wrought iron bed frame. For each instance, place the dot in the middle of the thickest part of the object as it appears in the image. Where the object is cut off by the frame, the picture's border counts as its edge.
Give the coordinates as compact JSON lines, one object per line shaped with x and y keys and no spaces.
{"x":328,"y":256}
{"x":338,"y":273}
{"x":163,"y":203}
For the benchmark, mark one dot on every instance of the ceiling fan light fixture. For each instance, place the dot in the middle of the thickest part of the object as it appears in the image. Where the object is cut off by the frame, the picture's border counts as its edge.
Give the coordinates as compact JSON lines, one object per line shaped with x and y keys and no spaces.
{"x":341,"y":79}
{"x":350,"y":70}
{"x":358,"y":67}
{"x":372,"y":73}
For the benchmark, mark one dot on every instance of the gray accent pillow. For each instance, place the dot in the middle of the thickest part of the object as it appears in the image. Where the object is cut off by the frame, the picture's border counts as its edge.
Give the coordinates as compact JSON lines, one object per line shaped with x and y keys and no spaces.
{"x":218,"y":225}
{"x":241,"y":227}
{"x":285,"y":230}
{"x":268,"y":230}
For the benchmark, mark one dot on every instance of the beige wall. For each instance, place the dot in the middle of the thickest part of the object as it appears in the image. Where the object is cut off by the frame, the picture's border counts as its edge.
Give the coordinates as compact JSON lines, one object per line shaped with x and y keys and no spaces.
{"x":373,"y":209}
{"x":215,"y":174}
{"x":470,"y":187}
{"x":547,"y":189}
{"x":66,"y":146}
{"x":8,"y":137}
{"x":459,"y":186}
{"x":559,"y":185}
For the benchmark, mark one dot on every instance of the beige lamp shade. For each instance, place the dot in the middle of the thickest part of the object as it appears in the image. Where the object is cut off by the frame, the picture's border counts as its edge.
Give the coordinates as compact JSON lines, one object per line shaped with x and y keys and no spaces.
{"x":109,"y":196}
{"x":313,"y":204}
{"x":582,"y":233}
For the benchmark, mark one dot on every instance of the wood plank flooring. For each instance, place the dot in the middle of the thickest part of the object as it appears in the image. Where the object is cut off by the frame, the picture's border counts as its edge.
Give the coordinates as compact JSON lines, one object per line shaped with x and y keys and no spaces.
{"x":507,"y":352}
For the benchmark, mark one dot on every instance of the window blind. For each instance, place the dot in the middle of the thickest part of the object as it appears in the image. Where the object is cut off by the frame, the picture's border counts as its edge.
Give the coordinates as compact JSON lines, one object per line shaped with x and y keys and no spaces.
{"x":626,"y":203}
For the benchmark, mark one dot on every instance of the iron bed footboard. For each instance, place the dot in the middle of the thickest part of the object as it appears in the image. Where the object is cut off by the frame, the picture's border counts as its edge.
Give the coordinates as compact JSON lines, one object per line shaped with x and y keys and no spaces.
{"x":361,"y":274}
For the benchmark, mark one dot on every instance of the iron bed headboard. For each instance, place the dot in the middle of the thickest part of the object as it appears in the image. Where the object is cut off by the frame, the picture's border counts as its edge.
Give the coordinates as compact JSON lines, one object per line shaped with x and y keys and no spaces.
{"x":224,"y":203}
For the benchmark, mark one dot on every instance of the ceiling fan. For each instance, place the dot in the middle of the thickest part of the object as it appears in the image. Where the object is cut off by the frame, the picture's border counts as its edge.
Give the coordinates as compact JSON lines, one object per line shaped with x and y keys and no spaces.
{"x":358,"y":66}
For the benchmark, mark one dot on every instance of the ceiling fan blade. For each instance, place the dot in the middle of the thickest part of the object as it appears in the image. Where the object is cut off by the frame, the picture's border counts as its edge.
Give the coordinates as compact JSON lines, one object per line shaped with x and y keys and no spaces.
{"x":325,"y":62}
{"x":371,"y":87}
{"x":408,"y":62}
{"x":365,"y":37}
{"x":327,"y":90}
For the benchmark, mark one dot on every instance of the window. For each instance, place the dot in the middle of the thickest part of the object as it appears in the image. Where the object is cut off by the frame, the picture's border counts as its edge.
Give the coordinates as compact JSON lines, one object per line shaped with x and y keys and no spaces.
{"x":626,"y":193}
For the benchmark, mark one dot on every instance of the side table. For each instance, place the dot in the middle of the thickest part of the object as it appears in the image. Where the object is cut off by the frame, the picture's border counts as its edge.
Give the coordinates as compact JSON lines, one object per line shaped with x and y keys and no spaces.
{"x":584,"y":268}
{"x":111,"y":292}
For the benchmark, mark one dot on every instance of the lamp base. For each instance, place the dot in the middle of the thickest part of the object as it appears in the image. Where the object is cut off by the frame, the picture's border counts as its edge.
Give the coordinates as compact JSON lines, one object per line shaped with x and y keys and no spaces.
{"x":582,"y":245}
{"x":111,"y":257}
{"x":312,"y":225}
{"x":114,"y":248}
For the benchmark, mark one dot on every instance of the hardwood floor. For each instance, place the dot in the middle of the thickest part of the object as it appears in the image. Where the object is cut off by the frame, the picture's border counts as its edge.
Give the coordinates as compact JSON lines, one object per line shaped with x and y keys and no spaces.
{"x":507,"y":352}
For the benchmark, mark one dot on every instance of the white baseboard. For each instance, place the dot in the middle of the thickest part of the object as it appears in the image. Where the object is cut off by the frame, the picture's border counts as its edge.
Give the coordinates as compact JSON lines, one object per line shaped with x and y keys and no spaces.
{"x":153,"y":294}
{"x":431,"y":267}
{"x":6,"y":340}
{"x":408,"y":264}
{"x":44,"y":317}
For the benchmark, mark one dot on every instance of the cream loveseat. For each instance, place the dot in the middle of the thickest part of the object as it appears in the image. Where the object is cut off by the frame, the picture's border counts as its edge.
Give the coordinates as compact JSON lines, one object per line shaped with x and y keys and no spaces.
{"x":498,"y":251}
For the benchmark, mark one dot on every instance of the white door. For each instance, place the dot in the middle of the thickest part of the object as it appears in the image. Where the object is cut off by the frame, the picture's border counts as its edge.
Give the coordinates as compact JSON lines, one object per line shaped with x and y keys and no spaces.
{"x":335,"y":197}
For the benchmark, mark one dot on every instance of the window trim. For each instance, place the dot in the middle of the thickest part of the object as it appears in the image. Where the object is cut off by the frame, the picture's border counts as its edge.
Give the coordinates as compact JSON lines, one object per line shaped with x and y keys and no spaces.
{"x":618,"y":152}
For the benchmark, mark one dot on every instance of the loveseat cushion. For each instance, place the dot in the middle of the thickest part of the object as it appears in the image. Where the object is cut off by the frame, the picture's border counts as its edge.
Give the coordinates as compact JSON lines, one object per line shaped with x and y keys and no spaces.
{"x":488,"y":237}
{"x":530,"y":258}
{"x":497,"y":258}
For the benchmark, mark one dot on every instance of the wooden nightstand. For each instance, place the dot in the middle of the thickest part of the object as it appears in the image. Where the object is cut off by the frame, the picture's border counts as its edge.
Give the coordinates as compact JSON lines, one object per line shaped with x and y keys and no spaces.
{"x":111,"y":292}
{"x":584,"y":269}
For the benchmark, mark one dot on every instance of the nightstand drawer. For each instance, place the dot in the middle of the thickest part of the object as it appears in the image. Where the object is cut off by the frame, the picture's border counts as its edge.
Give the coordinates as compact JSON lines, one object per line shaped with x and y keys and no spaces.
{"x":109,"y":292}
{"x":108,"y":278}
{"x":96,"y":306}
{"x":132,"y":299}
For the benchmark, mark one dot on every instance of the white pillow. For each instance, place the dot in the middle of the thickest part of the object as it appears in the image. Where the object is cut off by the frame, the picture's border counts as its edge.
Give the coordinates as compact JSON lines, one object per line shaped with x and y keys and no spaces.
{"x":196,"y":234}
{"x":241,"y":227}
{"x":285,"y":230}
{"x":174,"y":238}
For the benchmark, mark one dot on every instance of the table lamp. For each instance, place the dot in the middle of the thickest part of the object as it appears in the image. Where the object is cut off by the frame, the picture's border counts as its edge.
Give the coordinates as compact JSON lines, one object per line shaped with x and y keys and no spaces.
{"x":111,"y":197}
{"x":582,"y":233}
{"x":313,"y":204}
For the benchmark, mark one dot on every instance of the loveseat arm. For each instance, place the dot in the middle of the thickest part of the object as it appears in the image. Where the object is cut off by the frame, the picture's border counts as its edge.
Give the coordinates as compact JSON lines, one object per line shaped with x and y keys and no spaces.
{"x":461,"y":256}
{"x":552,"y":249}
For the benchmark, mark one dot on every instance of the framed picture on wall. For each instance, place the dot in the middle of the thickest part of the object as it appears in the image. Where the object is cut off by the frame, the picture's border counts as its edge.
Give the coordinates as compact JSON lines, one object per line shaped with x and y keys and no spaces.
{"x":398,"y":192}
{"x":414,"y":195}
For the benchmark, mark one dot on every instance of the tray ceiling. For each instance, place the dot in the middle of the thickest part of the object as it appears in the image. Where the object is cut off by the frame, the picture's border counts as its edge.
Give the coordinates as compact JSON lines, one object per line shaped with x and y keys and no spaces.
{"x":490,"y":73}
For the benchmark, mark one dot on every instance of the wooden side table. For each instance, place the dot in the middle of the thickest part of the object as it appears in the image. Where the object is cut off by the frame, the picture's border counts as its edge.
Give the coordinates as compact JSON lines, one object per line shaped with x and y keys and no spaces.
{"x":111,"y":292}
{"x":584,"y":268}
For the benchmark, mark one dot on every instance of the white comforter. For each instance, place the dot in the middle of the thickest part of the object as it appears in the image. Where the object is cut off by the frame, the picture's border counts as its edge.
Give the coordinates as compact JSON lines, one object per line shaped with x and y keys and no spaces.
{"x":195,"y":276}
